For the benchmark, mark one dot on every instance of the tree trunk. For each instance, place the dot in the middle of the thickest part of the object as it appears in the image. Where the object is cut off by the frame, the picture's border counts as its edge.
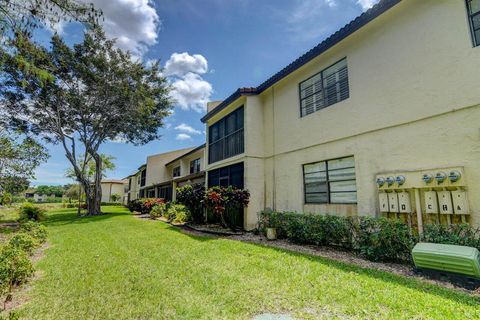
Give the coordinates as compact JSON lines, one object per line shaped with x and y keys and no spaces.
{"x":97,"y":189}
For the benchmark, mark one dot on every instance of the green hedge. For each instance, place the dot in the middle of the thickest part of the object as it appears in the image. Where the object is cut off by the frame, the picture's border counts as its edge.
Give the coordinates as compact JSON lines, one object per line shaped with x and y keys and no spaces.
{"x":377,"y":239}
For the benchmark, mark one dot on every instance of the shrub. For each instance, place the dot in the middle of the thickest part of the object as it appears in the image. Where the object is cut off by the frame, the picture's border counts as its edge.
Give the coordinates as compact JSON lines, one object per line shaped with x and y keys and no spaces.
{"x":460,"y":234}
{"x":36,"y":230}
{"x":178,"y":213}
{"x":375,"y":238}
{"x":24,"y":241}
{"x":158,"y":210}
{"x":381,"y":239}
{"x":144,"y":206}
{"x":192,"y":196}
{"x":135,"y":205}
{"x":29,"y":211}
{"x":225,"y":202}
{"x":15,"y":269}
{"x":6,"y":199}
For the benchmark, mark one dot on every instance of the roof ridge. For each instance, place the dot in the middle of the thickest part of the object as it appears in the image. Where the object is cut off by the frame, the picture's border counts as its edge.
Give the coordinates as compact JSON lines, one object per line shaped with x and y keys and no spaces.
{"x":352,"y":26}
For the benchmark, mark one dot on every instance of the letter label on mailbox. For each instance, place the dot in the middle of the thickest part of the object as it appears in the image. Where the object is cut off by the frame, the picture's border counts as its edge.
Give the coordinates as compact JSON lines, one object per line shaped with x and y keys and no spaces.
{"x":460,"y":202}
{"x":431,"y":204}
{"x":393,"y":202}
{"x":445,"y":202}
{"x":383,"y":200}
{"x":404,"y":202}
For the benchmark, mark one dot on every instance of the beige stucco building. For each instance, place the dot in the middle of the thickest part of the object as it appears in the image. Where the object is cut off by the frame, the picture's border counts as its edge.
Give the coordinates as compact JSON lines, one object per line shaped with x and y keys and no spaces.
{"x":392,"y":95}
{"x":164,"y":172}
{"x":113,"y":187}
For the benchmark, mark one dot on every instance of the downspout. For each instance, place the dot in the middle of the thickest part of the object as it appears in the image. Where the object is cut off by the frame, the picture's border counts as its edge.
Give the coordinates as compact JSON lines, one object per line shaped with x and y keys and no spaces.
{"x":274,"y":188}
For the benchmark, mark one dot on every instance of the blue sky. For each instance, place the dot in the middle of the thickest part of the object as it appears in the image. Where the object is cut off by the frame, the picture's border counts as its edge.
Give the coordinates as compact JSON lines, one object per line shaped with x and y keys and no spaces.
{"x":209,"y":48}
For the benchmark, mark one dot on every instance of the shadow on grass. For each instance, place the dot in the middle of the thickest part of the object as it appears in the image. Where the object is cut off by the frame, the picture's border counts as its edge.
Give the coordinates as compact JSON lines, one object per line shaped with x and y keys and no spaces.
{"x":69,"y":216}
{"x":408,"y":282}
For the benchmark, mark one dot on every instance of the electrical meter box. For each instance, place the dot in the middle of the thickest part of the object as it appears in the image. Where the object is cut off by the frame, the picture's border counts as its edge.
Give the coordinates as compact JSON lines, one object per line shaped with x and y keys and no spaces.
{"x":393,"y":202}
{"x":445,"y":202}
{"x":383,"y":201}
{"x":431,"y":203}
{"x":404,"y":204}
{"x":460,"y":202}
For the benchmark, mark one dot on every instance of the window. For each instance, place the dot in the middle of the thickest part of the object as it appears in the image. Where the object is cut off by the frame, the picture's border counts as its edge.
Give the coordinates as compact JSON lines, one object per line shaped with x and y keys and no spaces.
{"x":142,"y":193}
{"x":165,"y":192}
{"x":331,"y":181}
{"x":474,"y":15}
{"x":129,"y":184}
{"x":227,"y":176}
{"x":151,"y":193}
{"x":143,"y":177}
{"x":195,"y":166}
{"x":325,"y":88}
{"x":176,"y":172}
{"x":226,"y":137}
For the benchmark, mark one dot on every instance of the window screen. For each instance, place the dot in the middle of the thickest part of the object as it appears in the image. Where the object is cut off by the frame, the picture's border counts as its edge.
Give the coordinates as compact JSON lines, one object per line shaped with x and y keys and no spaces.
{"x":474,"y":14}
{"x":325,"y":88}
{"x":331,"y":181}
{"x":226,"y":137}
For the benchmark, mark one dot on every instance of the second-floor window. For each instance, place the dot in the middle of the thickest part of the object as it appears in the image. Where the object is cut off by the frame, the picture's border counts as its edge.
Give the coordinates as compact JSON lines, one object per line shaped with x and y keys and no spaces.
{"x":195,"y":166}
{"x":143,"y":177}
{"x":176,"y":172}
{"x":474,"y":14}
{"x":129,"y":184}
{"x":325,"y":88}
{"x":225,"y":138}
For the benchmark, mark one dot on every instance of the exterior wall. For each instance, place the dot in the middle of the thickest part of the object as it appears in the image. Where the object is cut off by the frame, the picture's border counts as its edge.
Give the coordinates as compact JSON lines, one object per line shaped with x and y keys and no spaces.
{"x":109,"y":188}
{"x":156,"y":169}
{"x":184,"y":163}
{"x":413,"y":105}
{"x":135,"y":187}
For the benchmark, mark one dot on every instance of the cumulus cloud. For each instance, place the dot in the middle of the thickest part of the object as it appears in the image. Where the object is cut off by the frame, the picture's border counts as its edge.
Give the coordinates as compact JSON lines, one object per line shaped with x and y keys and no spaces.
{"x":134,"y":23}
{"x":366,"y":4}
{"x":191,"y":92}
{"x":183,"y":136}
{"x":180,"y":64}
{"x":188,"y":129}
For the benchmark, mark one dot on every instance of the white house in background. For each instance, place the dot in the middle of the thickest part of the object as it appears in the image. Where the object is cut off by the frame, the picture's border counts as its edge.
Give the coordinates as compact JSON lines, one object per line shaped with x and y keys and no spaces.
{"x":113,"y":186}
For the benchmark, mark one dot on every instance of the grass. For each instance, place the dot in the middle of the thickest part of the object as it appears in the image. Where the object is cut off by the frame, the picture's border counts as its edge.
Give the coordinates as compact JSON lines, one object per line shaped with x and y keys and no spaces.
{"x":119,"y":267}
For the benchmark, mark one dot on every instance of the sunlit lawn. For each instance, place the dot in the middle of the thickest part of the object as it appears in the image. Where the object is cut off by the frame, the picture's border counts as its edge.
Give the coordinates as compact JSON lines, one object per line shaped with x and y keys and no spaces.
{"x":119,"y":267}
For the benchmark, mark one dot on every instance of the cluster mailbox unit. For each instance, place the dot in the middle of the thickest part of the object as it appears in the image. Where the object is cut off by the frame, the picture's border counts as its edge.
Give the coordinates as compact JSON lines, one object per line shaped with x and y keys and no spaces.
{"x":430,"y":192}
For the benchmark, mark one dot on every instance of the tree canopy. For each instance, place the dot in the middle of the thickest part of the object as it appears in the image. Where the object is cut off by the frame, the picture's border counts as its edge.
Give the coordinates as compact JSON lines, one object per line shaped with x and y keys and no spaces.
{"x":96,"y":93}
{"x":18,"y":160}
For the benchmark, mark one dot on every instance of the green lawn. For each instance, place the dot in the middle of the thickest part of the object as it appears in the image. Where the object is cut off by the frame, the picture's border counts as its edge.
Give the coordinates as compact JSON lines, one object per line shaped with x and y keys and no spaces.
{"x":119,"y":267}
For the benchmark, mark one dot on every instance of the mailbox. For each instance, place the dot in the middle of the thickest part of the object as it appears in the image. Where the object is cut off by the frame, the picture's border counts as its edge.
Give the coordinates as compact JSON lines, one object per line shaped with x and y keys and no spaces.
{"x":393,"y":202}
{"x":460,"y":202}
{"x":445,"y":202}
{"x":383,"y":201}
{"x":404,"y":204}
{"x":431,"y":203}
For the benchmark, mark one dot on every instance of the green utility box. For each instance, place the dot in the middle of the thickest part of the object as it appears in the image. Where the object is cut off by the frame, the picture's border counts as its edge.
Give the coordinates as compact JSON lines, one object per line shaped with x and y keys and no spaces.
{"x":447,"y":257}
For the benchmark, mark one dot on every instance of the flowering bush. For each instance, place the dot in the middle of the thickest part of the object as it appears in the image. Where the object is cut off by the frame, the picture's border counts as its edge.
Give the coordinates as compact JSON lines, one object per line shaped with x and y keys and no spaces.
{"x":144,"y":206}
{"x":225,"y":202}
{"x":192,"y":196}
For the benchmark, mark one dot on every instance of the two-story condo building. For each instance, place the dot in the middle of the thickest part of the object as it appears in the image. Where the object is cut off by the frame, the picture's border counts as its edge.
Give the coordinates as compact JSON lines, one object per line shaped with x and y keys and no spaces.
{"x":381,"y":117}
{"x":164,"y":172}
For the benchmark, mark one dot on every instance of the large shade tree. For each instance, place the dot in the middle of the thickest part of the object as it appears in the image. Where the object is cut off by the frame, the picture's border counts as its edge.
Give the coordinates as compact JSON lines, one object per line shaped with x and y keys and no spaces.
{"x":96,"y":93}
